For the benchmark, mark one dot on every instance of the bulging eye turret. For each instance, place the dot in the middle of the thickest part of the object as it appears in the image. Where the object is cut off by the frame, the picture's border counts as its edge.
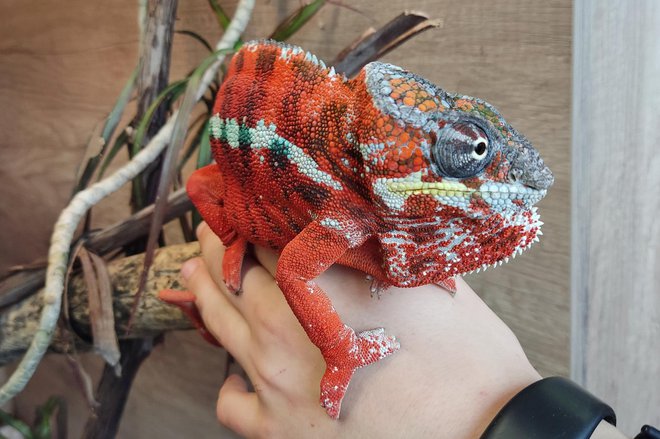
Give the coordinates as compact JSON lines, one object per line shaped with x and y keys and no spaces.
{"x":461,"y":150}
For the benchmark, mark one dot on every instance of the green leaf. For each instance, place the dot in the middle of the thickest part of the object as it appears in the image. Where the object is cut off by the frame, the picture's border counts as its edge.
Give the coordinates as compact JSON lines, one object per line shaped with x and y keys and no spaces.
{"x":119,"y":142}
{"x":171,"y":92}
{"x":42,"y":428}
{"x":204,"y":158}
{"x":220,"y":15}
{"x":295,"y":21}
{"x":204,"y":152}
{"x":18,"y":425}
{"x":109,"y":127}
{"x":138,"y":193}
{"x":223,"y":19}
{"x":115,"y":115}
{"x":197,"y":37}
{"x":195,"y":142}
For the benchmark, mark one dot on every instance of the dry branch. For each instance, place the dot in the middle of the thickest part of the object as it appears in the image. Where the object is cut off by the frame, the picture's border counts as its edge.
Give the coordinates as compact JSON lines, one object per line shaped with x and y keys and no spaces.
{"x":66,"y":224}
{"x":20,"y":285}
{"x":19,"y":322}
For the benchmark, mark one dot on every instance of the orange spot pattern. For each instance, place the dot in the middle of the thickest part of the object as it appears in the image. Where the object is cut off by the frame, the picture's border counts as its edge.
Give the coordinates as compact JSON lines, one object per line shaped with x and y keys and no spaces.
{"x":408,"y":92}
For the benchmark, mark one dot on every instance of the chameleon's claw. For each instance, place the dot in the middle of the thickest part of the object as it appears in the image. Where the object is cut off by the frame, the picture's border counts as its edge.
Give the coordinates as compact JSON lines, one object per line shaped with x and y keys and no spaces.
{"x":377,"y":286}
{"x":352,"y":352}
{"x":449,"y":285}
{"x":232,"y":262}
{"x":185,"y":301}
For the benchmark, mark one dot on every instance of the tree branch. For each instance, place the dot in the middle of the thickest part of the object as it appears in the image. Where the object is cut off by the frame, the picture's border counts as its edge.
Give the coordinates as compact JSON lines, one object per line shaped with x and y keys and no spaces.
{"x":19,"y":322}
{"x":67,"y":223}
{"x":18,"y":286}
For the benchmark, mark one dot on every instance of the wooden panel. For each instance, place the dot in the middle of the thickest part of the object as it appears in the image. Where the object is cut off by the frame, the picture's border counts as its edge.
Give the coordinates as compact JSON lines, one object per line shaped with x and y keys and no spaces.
{"x":56,"y":85}
{"x":616,"y":234}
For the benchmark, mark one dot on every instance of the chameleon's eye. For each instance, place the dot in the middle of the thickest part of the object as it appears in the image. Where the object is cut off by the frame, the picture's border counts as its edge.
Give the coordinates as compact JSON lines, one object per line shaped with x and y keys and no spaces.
{"x":480,"y":148}
{"x":461,"y":150}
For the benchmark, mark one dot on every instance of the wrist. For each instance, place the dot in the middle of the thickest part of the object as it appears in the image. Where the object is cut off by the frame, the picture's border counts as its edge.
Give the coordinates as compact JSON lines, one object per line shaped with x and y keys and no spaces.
{"x":552,"y":407}
{"x":605,"y":430}
{"x":503,"y":392}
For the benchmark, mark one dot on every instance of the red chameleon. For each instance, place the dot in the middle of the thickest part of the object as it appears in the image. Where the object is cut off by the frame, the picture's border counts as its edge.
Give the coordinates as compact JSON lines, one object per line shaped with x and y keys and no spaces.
{"x":385,"y":173}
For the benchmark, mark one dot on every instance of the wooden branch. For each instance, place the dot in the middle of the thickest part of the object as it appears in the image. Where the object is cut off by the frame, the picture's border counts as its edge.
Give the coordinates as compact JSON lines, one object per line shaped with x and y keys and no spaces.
{"x":115,"y":389}
{"x":19,"y":322}
{"x":69,"y":218}
{"x":19,"y":286}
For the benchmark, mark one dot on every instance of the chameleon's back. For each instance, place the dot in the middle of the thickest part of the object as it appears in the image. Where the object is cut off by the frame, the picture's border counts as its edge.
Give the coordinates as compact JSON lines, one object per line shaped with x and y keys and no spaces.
{"x":280,"y":122}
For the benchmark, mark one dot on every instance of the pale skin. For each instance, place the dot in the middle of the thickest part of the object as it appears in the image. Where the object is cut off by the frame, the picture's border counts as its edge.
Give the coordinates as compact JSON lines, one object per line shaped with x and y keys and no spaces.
{"x":458,"y":364}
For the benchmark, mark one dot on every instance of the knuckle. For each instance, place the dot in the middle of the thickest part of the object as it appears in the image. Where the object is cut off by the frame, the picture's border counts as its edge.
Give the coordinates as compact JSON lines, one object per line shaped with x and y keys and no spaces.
{"x":190,"y":271}
{"x":267,"y":373}
{"x":221,"y":411}
{"x":202,"y":228}
{"x":265,"y":316}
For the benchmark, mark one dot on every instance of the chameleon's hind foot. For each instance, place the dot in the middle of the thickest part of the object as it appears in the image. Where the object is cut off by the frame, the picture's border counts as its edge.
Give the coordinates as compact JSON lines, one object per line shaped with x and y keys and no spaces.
{"x":351,"y":353}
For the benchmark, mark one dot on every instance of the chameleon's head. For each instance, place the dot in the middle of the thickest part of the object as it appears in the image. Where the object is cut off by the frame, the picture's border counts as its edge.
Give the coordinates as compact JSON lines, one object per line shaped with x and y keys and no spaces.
{"x":433,"y":156}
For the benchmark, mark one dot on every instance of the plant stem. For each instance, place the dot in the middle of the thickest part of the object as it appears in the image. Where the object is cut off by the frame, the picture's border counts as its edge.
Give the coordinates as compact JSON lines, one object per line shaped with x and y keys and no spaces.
{"x":113,"y":390}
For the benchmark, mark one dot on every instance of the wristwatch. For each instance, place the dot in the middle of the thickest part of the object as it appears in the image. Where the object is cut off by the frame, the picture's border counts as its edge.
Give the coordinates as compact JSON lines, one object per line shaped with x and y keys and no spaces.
{"x":548,"y":409}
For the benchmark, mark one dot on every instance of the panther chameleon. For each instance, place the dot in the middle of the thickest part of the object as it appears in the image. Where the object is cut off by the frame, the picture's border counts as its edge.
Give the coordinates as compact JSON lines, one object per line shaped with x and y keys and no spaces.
{"x":385,"y":173}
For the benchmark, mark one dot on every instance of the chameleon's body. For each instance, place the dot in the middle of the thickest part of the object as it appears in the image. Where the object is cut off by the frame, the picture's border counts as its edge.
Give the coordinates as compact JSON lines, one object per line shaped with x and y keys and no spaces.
{"x":385,"y":173}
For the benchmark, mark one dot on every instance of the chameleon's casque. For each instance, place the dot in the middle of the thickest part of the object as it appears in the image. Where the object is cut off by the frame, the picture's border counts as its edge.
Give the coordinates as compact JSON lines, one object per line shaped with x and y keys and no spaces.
{"x":385,"y":173}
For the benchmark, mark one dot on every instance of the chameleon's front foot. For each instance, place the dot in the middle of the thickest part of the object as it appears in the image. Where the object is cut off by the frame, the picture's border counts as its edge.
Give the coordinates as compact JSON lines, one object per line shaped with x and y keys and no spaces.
{"x":352,"y":352}
{"x":232,"y":263}
{"x":185,"y":301}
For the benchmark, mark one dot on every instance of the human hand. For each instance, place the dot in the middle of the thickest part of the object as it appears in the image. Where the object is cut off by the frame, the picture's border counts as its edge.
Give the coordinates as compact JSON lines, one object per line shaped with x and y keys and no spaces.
{"x":458,"y":363}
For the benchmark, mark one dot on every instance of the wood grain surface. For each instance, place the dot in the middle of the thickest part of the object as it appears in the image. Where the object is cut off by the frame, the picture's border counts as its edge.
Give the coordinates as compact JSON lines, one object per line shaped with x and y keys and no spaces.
{"x":616,"y":233}
{"x":63,"y":66}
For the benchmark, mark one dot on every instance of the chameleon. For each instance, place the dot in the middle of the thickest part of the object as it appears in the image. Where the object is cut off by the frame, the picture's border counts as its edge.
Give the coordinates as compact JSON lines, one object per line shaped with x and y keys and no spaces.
{"x":385,"y":173}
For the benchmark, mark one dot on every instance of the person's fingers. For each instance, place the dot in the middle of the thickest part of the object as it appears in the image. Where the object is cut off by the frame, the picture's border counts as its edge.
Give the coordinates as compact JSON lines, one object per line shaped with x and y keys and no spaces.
{"x":260,"y":299}
{"x":221,"y":318}
{"x":212,"y":252}
{"x":237,"y":408}
{"x":267,"y":258}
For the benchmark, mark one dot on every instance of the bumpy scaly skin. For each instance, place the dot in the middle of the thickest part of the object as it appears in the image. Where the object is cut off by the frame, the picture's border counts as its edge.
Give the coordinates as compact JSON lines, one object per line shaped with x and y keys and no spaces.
{"x":385,"y":173}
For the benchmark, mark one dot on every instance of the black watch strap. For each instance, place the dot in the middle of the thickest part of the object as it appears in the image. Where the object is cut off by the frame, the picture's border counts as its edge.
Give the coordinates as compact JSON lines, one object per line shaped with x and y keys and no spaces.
{"x":648,"y":432}
{"x":550,"y":408}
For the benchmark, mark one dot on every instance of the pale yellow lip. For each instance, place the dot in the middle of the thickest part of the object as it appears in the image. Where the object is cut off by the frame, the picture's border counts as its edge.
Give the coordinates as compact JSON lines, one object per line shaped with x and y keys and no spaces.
{"x":489,"y":190}
{"x":443,"y":188}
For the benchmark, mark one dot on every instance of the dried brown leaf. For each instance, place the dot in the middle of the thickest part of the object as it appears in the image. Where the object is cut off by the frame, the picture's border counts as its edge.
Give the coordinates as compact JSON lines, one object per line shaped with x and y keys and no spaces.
{"x":84,"y":380}
{"x":373,"y":45}
{"x":101,"y":316}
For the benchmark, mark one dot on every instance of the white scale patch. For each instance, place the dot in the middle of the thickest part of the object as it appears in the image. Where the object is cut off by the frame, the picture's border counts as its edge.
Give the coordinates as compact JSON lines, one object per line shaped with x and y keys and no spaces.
{"x":352,"y":234}
{"x":262,"y":137}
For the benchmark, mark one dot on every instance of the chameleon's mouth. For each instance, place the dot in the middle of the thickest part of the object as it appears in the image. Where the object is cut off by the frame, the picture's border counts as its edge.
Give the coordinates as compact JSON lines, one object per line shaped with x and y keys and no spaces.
{"x":492,"y":193}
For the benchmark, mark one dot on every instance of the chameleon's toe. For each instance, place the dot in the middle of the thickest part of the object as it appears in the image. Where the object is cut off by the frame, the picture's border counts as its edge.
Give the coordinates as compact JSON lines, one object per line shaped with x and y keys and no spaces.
{"x":353,"y":352}
{"x":333,"y":388}
{"x":449,"y":284}
{"x":232,"y":262}
{"x":185,"y":301}
{"x":374,"y":345}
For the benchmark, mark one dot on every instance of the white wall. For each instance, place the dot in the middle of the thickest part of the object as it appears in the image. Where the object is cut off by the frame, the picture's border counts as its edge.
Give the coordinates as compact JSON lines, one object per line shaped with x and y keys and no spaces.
{"x":615,"y":230}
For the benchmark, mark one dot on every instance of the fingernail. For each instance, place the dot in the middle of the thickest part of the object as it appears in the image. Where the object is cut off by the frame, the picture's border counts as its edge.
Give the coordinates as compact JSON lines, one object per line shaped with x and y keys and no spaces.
{"x":201,"y":228}
{"x":189,"y":268}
